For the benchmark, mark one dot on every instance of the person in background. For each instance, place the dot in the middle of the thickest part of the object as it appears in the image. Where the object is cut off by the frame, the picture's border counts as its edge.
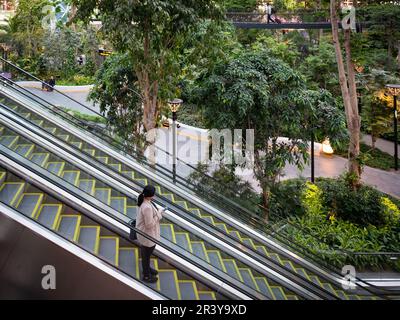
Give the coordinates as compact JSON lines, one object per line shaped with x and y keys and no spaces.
{"x":268,"y":11}
{"x":148,"y":221}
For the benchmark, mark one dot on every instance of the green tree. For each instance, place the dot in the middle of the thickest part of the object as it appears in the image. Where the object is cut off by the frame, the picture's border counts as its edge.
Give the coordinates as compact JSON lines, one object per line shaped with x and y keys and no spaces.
{"x":257,"y":91}
{"x":116,"y":93}
{"x":152,"y":33}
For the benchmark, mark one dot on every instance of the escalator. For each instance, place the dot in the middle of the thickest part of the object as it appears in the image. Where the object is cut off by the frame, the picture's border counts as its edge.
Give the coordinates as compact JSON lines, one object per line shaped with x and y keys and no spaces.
{"x":265,"y":251}
{"x":113,"y":249}
{"x":255,"y":281}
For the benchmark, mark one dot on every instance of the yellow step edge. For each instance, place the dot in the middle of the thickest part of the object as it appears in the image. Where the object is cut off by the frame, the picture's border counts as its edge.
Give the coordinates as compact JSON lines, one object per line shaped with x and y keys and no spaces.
{"x":187,"y":238}
{"x":193,"y":283}
{"x":278,"y":257}
{"x":17,"y":194}
{"x":172,"y":230}
{"x":304,"y":273}
{"x":236,"y":267}
{"x":129,"y":174}
{"x":185,"y":205}
{"x":41,"y":195}
{"x":125,"y":203}
{"x":237,"y":233}
{"x":60,"y":169}
{"x":264,"y":250}
{"x":195,"y":209}
{"x":91,"y":152}
{"x":31,"y":146}
{"x":116,"y":262}
{"x":102,"y":157}
{"x":136,"y":252}
{"x":144,"y":181}
{"x":343,"y":293}
{"x":77,"y":176}
{"x":220,"y":258}
{"x":252,"y":277}
{"x":97,"y":244}
{"x":204,"y":248}
{"x":59,"y":206}
{"x":46,"y":157}
{"x":281,"y":290}
{"x":78,"y":223}
{"x":208,"y":216}
{"x":178,"y":290}
{"x":116,"y":164}
{"x":2,"y":175}
{"x":210,"y":293}
{"x":93,"y":184}
{"x":61,"y":136}
{"x":109,"y":193}
{"x":10,"y":146}
{"x":268,"y":286}
{"x":292,"y":296}
{"x":292,"y":266}
{"x":78,"y":144}
{"x":223,"y":224}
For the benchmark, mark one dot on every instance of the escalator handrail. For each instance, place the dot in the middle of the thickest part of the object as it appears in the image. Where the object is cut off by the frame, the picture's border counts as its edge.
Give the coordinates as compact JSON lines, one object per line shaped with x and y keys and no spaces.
{"x":253,"y":216}
{"x":290,"y":243}
{"x":35,"y":125}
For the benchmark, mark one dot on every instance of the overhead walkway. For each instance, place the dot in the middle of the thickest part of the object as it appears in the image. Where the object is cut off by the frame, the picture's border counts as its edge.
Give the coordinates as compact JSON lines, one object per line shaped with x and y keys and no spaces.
{"x":266,"y":257}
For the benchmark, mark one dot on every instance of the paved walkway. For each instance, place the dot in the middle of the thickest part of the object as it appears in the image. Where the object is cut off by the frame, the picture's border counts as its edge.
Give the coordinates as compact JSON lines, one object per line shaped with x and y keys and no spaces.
{"x":381,"y":144}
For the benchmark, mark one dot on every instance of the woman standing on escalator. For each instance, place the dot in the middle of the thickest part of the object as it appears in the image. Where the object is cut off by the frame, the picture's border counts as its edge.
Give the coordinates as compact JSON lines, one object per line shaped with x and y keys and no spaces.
{"x":148,"y":221}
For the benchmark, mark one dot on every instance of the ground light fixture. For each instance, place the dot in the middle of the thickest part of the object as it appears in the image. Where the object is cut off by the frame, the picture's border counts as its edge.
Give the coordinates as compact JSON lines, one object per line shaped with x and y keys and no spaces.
{"x":394,"y":90}
{"x":326,"y":147}
{"x":174,"y":106}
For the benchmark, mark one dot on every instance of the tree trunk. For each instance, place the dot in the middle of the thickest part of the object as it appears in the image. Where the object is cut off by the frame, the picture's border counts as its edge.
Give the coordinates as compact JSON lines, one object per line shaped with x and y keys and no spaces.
{"x":373,"y":140}
{"x":398,"y":55}
{"x":266,"y":196}
{"x":347,"y":85}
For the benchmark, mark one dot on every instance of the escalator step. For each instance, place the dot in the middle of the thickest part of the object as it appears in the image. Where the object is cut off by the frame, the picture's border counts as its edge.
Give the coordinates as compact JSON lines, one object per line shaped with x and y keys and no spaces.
{"x":116,"y":166}
{"x":235,"y":234}
{"x":2,"y":177}
{"x":71,"y":176}
{"x":131,"y":212}
{"x":303,"y":273}
{"x":10,"y":192}
{"x":248,"y":278}
{"x":8,"y":141}
{"x":183,"y":240}
{"x":24,"y":149}
{"x":52,"y":130}
{"x":64,"y":137}
{"x":49,"y":214}
{"x":249,"y":242}
{"x":89,"y":237}
{"x":209,"y":219}
{"x":206,"y":295}
{"x":69,"y":226}
{"x":40,"y":158}
{"x":232,"y":269}
{"x":103,"y":159}
{"x":38,"y":122}
{"x":91,"y":152}
{"x":55,"y":167}
{"x":278,"y":293}
{"x":129,"y":261}
{"x":167,"y":232}
{"x":169,"y":284}
{"x":222,"y":227}
{"x":119,"y":204}
{"x":87,"y":185}
{"x":188,"y":290}
{"x":30,"y":203}
{"x":77,"y":144}
{"x":265,"y":288}
{"x":199,"y":250}
{"x":108,"y":249}
{"x":103,"y":194}
{"x":216,"y":259}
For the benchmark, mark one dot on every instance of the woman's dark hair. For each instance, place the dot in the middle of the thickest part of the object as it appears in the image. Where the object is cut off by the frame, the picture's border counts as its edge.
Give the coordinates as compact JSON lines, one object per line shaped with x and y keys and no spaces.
{"x":148,"y":191}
